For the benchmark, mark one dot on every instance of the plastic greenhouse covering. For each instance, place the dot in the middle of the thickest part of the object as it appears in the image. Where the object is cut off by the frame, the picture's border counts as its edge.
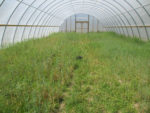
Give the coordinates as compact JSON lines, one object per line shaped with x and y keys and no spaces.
{"x":24,"y":19}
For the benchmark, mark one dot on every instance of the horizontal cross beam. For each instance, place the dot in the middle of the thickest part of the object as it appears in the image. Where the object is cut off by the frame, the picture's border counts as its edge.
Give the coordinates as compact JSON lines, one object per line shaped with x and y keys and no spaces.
{"x":12,"y":25}
{"x":82,"y":22}
{"x":126,"y":26}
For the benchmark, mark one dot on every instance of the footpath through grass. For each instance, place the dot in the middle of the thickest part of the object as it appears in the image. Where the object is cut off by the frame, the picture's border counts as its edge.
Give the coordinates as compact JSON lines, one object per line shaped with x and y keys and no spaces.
{"x":76,"y":73}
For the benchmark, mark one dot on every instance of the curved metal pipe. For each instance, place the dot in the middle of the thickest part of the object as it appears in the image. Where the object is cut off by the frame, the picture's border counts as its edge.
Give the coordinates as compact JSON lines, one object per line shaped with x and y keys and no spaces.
{"x":8,"y":22}
{"x":139,"y":17}
{"x":128,"y":14}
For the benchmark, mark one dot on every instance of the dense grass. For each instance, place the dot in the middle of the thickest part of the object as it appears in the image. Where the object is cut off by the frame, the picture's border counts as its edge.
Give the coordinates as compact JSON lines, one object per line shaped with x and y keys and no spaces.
{"x":76,"y":73}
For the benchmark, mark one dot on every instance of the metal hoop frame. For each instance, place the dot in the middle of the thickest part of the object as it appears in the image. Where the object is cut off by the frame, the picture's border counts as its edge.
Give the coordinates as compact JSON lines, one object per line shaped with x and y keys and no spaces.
{"x":110,"y":13}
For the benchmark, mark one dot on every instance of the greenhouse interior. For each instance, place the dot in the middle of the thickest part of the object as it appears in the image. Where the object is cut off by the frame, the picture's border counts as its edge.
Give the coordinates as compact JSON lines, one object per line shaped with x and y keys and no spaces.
{"x":74,"y":56}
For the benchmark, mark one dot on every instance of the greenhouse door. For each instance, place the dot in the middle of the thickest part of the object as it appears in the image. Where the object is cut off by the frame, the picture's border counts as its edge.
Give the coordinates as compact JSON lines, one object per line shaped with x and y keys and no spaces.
{"x":82,"y":26}
{"x":82,"y":23}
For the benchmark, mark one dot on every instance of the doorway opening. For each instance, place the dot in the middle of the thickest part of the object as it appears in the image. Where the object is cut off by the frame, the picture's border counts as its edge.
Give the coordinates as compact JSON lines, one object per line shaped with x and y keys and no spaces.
{"x":82,"y":25}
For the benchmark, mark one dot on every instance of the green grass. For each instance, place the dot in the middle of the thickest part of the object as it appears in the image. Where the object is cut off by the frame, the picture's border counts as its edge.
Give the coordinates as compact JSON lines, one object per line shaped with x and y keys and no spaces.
{"x":45,"y":75}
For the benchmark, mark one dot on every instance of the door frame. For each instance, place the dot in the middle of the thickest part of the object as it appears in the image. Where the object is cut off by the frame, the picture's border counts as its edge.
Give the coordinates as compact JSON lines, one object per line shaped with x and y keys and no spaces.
{"x":81,"y":22}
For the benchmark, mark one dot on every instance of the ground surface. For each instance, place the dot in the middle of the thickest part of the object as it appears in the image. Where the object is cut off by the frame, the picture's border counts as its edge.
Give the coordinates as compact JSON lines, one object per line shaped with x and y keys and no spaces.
{"x":76,"y":73}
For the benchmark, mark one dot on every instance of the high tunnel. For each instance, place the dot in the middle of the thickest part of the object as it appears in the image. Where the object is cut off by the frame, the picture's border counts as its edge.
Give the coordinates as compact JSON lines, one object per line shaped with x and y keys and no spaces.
{"x":24,"y":19}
